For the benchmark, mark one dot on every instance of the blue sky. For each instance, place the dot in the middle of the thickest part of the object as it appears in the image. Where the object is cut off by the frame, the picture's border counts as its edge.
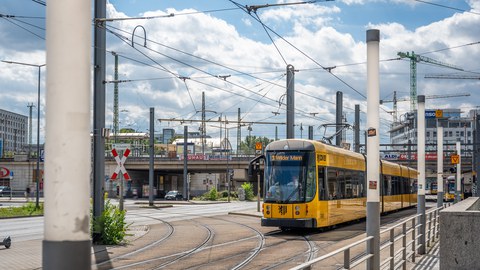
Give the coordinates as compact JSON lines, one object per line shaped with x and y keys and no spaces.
{"x":228,"y":41}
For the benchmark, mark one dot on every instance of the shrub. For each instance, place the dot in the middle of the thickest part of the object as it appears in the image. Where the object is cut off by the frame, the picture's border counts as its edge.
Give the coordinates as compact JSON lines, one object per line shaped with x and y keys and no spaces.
{"x":110,"y":227}
{"x":248,"y":191}
{"x":212,"y":195}
{"x":224,"y":194}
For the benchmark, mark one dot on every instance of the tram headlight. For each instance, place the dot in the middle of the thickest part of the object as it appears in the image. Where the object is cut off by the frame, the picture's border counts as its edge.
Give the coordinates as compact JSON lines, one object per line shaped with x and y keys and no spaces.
{"x":297,"y":210}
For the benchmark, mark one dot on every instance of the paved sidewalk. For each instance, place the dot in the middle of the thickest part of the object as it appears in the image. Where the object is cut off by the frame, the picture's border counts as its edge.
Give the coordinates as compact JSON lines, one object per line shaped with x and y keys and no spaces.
{"x":429,"y":261}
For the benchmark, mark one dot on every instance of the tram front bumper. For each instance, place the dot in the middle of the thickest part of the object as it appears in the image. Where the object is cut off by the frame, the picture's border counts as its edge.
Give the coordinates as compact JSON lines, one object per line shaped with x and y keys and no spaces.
{"x":289,"y":222}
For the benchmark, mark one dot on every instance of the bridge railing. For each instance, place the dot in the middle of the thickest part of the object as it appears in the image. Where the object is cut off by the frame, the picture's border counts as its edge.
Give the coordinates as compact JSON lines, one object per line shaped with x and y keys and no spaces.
{"x":399,"y":243}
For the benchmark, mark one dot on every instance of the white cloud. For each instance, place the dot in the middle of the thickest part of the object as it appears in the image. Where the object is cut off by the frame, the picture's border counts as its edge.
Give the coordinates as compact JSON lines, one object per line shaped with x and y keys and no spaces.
{"x":256,"y":69}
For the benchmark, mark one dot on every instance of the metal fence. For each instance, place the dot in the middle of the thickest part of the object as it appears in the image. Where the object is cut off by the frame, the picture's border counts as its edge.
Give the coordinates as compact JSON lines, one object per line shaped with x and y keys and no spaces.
{"x":398,"y":243}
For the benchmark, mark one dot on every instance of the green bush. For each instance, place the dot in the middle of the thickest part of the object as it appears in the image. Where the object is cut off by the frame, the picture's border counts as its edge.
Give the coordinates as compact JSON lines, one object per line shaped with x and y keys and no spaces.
{"x":224,"y":194}
{"x":248,"y":191}
{"x":212,"y":195}
{"x":110,"y":227}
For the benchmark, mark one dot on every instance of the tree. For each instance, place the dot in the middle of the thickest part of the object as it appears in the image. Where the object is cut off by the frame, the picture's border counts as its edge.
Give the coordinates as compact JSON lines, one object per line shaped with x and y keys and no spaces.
{"x":248,"y":145}
{"x":127,"y":130}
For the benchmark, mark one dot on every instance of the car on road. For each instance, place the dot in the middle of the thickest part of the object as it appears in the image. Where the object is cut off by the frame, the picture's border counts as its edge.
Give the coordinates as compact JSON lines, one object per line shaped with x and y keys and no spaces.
{"x":174,"y":195}
{"x":4,"y":190}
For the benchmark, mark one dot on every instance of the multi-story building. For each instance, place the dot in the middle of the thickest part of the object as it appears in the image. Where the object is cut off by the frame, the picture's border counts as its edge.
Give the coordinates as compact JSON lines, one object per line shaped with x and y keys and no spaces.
{"x":168,"y":134}
{"x":13,"y":133}
{"x":455,"y":128}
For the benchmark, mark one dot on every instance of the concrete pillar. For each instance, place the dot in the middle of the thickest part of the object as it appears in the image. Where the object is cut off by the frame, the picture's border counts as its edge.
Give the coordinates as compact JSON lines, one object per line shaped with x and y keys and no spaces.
{"x":439,"y":165}
{"x":66,"y":243}
{"x":458,"y":182}
{"x":373,"y":147}
{"x":421,"y":171}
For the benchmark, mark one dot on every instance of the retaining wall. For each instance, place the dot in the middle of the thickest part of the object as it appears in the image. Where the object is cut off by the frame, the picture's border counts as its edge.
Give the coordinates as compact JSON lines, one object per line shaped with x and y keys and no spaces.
{"x":460,"y":235}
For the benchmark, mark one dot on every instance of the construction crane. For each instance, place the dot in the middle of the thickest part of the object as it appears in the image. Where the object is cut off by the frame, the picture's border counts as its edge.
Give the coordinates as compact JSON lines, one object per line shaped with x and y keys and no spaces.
{"x":395,"y":100}
{"x":452,"y":76}
{"x":414,"y":58}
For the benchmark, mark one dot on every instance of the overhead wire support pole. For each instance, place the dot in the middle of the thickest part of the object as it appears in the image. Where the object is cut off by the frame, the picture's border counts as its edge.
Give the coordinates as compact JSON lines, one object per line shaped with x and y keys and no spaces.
{"x":115,"y":98}
{"x":290,"y":102}
{"x":151,"y":170}
{"x":99,"y":111}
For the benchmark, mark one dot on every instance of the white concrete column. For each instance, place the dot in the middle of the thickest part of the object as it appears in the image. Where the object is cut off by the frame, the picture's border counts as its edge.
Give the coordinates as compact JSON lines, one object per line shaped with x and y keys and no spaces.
{"x":439,"y":165}
{"x":67,"y":148}
{"x":373,"y":146}
{"x":458,"y":184}
{"x":421,"y":172}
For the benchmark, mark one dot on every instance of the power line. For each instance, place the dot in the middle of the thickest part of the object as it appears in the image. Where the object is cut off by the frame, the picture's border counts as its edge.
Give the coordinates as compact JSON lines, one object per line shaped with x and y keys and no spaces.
{"x":165,"y":16}
{"x":300,"y":51}
{"x":448,"y":7}
{"x":271,"y":39}
{"x":11,"y":19}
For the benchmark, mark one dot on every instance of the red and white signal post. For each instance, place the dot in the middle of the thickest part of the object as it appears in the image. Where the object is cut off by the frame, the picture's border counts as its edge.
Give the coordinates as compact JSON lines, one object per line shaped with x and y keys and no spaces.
{"x":120,"y":167}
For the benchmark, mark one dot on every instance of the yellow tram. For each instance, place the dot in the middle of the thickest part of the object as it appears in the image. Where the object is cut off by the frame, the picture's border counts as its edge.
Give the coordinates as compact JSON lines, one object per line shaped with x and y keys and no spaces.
{"x":310,"y":184}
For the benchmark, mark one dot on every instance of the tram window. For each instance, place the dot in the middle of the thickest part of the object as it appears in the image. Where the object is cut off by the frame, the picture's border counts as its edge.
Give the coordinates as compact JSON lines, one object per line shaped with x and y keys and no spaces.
{"x":310,"y":183}
{"x":356,"y":184}
{"x":333,"y":191}
{"x":362,"y":181}
{"x":395,"y":185}
{"x":387,"y":185}
{"x":341,"y":184}
{"x":321,"y":183}
{"x":348,"y":185}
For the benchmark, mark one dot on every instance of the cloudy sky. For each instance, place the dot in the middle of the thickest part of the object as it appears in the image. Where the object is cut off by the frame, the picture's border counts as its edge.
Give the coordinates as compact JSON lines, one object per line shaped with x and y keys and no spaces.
{"x":238,"y":59}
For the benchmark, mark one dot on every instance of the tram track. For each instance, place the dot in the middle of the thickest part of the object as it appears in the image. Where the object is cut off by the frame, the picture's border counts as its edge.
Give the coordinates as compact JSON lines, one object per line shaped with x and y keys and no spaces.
{"x":170,"y":232}
{"x":253,"y":247}
{"x":175,"y":257}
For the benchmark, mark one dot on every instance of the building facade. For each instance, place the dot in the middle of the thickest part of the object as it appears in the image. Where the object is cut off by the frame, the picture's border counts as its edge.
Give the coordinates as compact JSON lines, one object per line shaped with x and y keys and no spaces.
{"x":13,"y":133}
{"x":403,"y":137}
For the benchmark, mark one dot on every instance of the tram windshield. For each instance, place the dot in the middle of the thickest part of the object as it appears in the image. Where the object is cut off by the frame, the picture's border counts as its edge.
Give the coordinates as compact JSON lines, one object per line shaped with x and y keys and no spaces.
{"x":289,"y":176}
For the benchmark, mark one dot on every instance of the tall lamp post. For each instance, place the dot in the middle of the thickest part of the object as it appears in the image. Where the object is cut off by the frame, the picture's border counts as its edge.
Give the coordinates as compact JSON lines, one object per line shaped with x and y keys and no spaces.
{"x":38,"y":125}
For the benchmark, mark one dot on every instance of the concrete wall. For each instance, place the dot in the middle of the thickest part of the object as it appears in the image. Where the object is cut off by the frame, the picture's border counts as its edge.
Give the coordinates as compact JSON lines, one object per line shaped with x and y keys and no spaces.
{"x":460,"y":235}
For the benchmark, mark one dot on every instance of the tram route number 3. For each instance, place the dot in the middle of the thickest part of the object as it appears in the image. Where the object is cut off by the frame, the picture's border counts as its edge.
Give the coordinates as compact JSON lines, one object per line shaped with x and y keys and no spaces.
{"x":372,"y":184}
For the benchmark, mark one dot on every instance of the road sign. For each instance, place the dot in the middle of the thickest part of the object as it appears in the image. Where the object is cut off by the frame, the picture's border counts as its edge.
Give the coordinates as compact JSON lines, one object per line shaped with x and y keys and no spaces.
{"x":430,"y":114}
{"x":455,"y":159}
{"x":439,"y":113}
{"x":258,"y":146}
{"x":120,"y":163}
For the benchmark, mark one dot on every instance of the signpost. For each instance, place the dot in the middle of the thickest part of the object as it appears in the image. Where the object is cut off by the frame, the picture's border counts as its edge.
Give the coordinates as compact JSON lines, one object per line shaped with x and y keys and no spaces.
{"x":455,"y":159}
{"x":124,"y":152}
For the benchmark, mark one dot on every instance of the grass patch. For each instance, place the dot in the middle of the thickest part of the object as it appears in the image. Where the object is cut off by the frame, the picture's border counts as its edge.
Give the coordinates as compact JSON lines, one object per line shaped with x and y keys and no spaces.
{"x":26,"y":210}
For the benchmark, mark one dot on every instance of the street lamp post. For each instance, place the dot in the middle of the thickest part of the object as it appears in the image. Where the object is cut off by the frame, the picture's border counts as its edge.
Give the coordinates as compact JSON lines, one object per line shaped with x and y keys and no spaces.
{"x":38,"y":125}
